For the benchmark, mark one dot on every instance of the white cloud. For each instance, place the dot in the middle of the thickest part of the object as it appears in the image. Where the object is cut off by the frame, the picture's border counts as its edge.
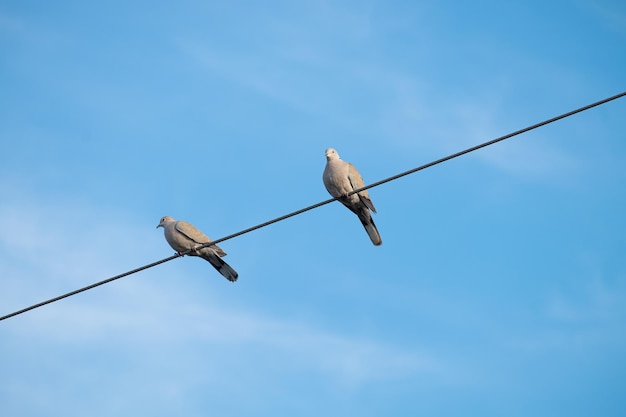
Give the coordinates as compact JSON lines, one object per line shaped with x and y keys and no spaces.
{"x":398,"y":107}
{"x":60,"y":240}
{"x":598,"y":303}
{"x":151,"y":324}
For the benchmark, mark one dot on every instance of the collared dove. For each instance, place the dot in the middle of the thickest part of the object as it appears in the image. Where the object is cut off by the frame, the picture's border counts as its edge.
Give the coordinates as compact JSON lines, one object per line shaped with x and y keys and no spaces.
{"x":183,"y":236}
{"x":340,"y":178}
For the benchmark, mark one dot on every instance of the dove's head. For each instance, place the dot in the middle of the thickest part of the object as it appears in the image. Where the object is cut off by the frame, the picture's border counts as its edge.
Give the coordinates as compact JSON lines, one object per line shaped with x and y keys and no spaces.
{"x":331,"y":154}
{"x":165,"y":220}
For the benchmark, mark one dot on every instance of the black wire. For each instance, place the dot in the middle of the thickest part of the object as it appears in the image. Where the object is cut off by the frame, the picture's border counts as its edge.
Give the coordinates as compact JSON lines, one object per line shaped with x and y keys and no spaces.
{"x":97,"y":284}
{"x":430,"y":164}
{"x":295,"y":213}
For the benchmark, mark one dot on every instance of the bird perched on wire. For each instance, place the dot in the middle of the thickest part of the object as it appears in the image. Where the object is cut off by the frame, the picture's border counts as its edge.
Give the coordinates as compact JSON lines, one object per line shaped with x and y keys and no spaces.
{"x":183,"y":236}
{"x":340,"y":178}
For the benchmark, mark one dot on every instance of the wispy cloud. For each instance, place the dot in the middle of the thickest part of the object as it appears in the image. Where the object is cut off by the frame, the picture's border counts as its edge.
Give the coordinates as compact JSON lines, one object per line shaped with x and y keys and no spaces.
{"x":589,"y":317}
{"x":63,"y":240}
{"x":67,"y":238}
{"x":599,"y":303}
{"x":302,"y":347}
{"x":396,"y":105}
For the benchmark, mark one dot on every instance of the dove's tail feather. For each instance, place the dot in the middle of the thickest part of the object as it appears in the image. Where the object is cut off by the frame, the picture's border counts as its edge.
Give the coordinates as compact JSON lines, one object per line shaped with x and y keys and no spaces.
{"x":222,"y":267}
{"x":372,"y":231}
{"x":370,"y":228}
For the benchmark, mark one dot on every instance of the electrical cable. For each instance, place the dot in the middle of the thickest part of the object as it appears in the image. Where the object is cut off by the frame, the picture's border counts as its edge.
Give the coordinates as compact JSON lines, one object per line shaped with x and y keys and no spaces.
{"x":314,"y":206}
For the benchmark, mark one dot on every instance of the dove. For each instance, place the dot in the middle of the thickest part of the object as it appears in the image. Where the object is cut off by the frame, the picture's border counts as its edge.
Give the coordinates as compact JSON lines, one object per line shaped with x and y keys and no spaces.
{"x":340,"y":178}
{"x":183,"y":236}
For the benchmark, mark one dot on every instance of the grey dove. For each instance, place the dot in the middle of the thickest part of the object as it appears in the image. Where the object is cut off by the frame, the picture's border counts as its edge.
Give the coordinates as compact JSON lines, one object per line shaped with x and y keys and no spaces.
{"x":340,"y":178}
{"x":183,"y":236}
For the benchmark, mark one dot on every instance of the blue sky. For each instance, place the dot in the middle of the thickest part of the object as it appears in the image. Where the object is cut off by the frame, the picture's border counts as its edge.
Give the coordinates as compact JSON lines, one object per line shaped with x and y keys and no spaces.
{"x":500,"y":288}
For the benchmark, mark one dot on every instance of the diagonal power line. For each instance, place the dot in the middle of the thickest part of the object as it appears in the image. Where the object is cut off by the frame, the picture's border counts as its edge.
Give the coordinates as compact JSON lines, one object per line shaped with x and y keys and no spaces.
{"x":314,"y":206}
